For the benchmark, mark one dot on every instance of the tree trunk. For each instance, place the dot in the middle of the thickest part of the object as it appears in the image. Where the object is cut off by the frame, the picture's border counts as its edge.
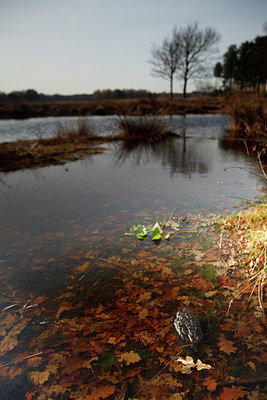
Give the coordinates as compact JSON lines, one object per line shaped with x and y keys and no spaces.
{"x":185,"y":84}
{"x":171,"y":87}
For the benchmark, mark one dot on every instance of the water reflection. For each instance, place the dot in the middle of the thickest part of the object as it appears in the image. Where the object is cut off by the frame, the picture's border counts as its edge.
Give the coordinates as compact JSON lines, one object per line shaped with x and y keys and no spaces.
{"x":184,"y":156}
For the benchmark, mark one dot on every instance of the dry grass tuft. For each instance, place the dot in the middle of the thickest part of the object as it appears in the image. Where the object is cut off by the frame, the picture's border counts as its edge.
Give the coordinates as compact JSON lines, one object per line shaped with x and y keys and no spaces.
{"x":82,"y":128}
{"x":143,"y":128}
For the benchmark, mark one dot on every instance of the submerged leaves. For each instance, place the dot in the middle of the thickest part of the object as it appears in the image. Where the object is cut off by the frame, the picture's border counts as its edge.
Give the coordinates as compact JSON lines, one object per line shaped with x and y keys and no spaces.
{"x":129,"y":358}
{"x":226,"y":345}
{"x":111,"y":336}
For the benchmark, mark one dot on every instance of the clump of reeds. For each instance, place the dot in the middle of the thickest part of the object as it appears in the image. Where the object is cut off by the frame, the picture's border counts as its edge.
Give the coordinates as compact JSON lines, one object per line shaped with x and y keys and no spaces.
{"x":143,"y":128}
{"x":248,"y":117}
{"x":82,"y":128}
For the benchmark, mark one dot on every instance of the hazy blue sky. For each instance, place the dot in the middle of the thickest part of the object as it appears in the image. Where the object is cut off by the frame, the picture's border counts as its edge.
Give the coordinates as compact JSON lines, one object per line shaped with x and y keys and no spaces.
{"x":78,"y":46}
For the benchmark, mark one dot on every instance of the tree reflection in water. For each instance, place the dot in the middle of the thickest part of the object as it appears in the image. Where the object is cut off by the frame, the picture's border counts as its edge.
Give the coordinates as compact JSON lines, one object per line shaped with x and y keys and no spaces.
{"x":185,"y":155}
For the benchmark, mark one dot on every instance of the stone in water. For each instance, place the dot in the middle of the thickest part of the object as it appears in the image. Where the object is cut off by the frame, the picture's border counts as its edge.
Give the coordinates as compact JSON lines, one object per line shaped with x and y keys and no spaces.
{"x":187,"y":328}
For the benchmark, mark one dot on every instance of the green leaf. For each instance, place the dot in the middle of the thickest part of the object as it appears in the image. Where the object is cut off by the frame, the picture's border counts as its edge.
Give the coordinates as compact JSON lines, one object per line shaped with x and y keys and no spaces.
{"x":156,"y":230}
{"x":167,"y":236}
{"x":141,"y":235}
{"x":157,"y":237}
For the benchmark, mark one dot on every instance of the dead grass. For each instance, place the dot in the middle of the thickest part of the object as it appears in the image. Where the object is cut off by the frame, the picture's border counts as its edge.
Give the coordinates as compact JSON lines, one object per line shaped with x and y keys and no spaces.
{"x":143,"y":128}
{"x":249,"y":229}
{"x":82,"y":128}
{"x":158,"y":106}
{"x":248,"y":116}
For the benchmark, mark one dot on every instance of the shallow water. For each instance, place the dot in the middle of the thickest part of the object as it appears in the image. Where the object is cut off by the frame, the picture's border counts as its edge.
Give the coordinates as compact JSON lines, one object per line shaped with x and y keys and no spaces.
{"x":35,"y":128}
{"x":78,"y":287}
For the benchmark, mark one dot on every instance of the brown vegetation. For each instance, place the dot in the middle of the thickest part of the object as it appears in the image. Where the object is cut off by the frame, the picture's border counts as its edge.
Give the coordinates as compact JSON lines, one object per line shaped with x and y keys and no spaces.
{"x":82,"y":128}
{"x":248,"y":116}
{"x":30,"y":109}
{"x":143,"y":128}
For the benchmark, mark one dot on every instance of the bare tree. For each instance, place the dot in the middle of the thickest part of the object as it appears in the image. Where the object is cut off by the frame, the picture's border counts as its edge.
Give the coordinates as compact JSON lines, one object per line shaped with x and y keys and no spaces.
{"x":195,"y":47}
{"x":165,"y":59}
{"x":264,"y":27}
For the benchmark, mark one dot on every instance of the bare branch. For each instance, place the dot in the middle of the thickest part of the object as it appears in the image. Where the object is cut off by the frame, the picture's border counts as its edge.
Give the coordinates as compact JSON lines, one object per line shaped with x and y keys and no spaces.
{"x":185,"y":54}
{"x":165,"y":59}
{"x":195,"y":45}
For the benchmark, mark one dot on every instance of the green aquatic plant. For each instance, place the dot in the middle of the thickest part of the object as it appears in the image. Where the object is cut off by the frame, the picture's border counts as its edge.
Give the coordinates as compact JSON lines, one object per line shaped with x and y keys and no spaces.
{"x":142,"y":231}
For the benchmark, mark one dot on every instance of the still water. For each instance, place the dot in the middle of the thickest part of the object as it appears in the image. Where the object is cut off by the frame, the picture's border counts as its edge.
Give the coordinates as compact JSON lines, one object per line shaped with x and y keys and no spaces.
{"x":32,"y":128}
{"x":68,"y":271}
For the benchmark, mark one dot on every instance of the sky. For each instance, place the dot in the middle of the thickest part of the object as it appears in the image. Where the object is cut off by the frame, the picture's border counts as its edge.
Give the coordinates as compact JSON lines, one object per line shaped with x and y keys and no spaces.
{"x":79,"y":46}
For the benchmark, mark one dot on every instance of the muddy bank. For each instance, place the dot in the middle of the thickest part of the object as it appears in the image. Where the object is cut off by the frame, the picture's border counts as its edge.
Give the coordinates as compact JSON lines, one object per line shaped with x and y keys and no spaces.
{"x":31,"y":109}
{"x":58,"y":150}
{"x":44,"y":152}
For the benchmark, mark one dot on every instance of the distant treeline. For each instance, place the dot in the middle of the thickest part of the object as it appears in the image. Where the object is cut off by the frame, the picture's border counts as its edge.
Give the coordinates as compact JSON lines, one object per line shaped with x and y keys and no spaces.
{"x":106,"y":94}
{"x":33,"y":95}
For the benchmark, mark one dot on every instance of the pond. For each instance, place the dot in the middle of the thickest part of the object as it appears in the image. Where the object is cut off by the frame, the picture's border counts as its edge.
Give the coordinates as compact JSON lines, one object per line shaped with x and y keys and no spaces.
{"x":87,"y":311}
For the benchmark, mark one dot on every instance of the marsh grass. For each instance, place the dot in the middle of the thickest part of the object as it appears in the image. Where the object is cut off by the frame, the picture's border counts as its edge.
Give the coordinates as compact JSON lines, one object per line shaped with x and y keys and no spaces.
{"x":248,"y":116}
{"x":81,"y":128}
{"x":143,"y":128}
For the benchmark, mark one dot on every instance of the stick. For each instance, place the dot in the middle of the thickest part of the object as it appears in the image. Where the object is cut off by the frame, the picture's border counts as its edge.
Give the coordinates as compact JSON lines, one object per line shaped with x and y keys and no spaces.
{"x":246,"y":147}
{"x":21,"y":359}
{"x":264,"y":173}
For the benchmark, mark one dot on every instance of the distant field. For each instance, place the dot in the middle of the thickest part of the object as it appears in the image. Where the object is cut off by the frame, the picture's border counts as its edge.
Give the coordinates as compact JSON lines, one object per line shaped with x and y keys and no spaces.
{"x":30,"y":109}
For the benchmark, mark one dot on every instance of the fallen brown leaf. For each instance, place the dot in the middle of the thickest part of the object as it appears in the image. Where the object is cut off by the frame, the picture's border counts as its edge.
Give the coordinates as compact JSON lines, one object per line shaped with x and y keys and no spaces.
{"x":226,"y":345}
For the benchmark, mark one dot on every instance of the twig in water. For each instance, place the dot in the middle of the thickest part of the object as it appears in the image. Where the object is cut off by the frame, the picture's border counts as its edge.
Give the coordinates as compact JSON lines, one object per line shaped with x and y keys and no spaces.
{"x":262,"y":169}
{"x":246,"y":147}
{"x":21,"y":359}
